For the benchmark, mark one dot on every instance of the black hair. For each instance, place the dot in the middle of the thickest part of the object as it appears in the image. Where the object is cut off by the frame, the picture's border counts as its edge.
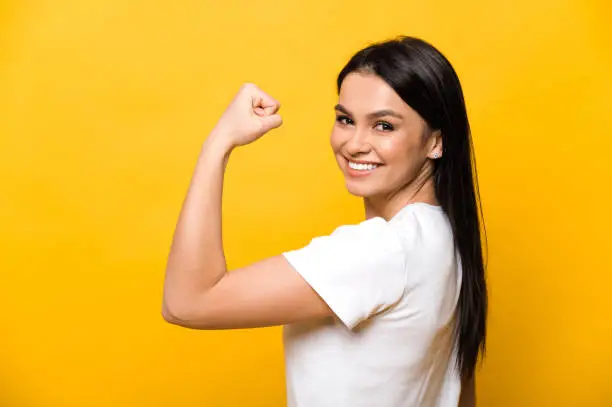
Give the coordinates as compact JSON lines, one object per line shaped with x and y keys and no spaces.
{"x":427,"y":82}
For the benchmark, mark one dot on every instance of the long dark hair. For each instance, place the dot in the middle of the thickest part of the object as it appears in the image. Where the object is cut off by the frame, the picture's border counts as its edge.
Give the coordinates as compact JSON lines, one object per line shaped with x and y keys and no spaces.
{"x":427,"y":82}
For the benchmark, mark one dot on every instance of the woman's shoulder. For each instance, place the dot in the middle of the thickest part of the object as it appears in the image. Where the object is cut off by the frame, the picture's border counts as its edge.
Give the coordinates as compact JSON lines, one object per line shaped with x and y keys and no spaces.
{"x":418,"y":209}
{"x":415,"y":225}
{"x":424,"y":230}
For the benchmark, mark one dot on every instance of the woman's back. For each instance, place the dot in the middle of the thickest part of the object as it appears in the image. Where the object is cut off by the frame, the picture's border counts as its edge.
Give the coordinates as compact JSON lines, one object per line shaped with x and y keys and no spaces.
{"x":404,"y":355}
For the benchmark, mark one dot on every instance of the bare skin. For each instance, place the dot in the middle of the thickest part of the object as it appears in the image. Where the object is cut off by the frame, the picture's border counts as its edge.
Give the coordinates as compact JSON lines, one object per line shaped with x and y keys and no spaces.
{"x":374,"y":125}
{"x":199,"y":293}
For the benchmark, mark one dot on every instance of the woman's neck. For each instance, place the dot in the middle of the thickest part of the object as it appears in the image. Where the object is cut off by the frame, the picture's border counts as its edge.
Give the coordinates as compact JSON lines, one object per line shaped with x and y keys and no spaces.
{"x":421,"y":189}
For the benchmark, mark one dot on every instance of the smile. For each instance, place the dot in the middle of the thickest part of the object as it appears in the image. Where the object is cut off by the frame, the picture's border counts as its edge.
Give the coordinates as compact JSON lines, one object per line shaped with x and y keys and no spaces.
{"x":362,"y":167}
{"x":359,"y":170}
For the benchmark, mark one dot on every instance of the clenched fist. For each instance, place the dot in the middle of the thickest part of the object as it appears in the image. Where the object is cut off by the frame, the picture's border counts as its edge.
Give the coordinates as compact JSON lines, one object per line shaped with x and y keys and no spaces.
{"x":250,"y":115}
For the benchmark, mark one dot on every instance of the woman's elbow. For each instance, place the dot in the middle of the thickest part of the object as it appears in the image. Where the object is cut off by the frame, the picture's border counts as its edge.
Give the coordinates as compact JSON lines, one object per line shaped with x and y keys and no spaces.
{"x":175,"y":313}
{"x":183,"y":314}
{"x":167,"y":315}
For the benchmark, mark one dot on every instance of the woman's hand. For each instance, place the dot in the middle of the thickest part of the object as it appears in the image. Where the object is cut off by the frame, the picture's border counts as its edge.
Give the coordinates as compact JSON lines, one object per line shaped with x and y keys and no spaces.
{"x":249,"y":116}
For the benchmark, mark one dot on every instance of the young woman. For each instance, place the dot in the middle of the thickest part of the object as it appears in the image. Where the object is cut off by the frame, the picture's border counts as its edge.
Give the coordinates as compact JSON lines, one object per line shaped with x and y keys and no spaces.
{"x":388,"y":312}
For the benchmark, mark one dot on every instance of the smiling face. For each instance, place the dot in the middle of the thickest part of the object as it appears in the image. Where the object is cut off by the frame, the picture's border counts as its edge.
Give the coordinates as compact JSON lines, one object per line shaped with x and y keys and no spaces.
{"x":381,"y":144}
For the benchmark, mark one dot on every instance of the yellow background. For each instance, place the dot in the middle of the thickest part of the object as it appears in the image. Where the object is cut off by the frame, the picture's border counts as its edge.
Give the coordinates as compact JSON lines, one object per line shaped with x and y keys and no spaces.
{"x":105,"y":103}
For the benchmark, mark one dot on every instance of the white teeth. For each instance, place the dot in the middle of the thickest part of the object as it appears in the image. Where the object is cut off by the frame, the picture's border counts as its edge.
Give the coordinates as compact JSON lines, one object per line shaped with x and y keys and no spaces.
{"x":362,"y":167}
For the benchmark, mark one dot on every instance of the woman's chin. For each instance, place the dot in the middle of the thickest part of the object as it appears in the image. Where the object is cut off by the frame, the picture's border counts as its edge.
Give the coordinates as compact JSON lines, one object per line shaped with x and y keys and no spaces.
{"x":360,"y":191}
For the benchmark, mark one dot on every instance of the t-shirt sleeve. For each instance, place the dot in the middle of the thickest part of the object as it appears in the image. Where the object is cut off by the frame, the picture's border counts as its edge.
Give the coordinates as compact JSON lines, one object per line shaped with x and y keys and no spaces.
{"x":358,"y":270}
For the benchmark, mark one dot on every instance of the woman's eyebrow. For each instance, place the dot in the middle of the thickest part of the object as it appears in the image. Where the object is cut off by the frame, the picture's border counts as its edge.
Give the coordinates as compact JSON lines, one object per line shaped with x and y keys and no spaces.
{"x":373,"y":115}
{"x":342,"y":109}
{"x":385,"y":112}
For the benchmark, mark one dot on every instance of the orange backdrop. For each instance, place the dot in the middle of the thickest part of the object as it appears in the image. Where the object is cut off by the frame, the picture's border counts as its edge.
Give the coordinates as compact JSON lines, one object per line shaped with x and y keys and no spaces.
{"x":104,"y":105}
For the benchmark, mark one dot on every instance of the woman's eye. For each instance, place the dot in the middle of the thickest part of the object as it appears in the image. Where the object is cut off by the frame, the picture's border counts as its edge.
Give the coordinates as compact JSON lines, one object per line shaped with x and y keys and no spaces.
{"x":344,"y":120}
{"x":384,"y":126}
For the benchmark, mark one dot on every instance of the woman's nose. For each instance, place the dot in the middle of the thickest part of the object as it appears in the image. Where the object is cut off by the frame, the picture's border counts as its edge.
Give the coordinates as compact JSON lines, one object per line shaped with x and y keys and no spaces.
{"x":358,"y":143}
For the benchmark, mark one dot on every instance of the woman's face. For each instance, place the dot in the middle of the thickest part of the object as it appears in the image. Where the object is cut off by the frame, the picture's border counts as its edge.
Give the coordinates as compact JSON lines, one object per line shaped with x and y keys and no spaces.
{"x":380,"y":143}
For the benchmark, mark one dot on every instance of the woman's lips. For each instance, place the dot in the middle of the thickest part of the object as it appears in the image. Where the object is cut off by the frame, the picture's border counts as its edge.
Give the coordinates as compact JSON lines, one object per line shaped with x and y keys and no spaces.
{"x":363,"y":169}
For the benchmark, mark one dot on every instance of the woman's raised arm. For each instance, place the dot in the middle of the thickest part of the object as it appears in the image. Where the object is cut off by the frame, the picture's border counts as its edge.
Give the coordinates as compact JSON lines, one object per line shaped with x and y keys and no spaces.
{"x":198,"y":293}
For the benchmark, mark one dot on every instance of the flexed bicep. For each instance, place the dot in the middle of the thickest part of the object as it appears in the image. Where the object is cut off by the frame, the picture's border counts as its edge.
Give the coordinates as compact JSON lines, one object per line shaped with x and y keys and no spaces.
{"x":267,"y":293}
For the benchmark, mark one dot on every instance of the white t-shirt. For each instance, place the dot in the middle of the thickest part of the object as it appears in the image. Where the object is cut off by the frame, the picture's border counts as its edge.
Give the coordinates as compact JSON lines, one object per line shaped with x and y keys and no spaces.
{"x":393,"y":287}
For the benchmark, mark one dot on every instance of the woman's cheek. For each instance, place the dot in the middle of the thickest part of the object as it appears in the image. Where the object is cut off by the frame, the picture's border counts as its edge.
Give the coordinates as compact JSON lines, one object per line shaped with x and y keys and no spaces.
{"x":336,"y":140}
{"x":390,"y":150}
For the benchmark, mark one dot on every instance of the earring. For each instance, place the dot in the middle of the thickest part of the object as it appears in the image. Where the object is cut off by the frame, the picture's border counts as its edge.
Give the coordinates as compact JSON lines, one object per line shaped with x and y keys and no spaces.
{"x":436,"y":155}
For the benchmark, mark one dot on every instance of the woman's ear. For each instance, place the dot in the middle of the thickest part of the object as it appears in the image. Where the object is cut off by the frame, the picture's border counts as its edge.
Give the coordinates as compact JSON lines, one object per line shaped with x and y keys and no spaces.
{"x":435,"y":145}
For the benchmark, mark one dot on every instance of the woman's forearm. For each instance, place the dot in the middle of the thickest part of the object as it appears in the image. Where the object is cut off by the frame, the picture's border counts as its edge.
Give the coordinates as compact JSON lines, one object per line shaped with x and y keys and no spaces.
{"x":196,"y":261}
